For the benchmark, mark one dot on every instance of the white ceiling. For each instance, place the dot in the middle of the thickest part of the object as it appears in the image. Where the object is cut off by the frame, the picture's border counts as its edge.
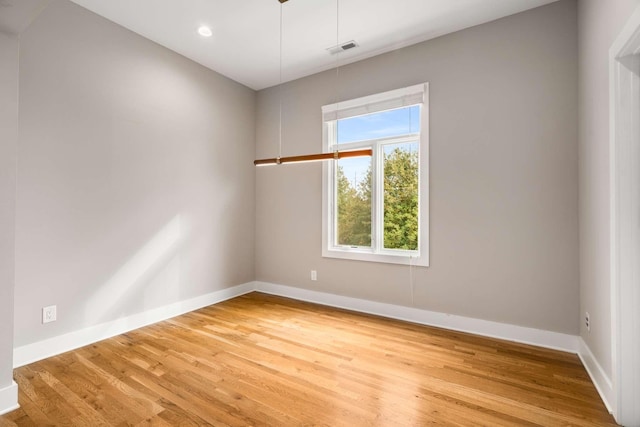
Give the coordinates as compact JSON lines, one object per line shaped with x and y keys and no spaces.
{"x":245,"y":42}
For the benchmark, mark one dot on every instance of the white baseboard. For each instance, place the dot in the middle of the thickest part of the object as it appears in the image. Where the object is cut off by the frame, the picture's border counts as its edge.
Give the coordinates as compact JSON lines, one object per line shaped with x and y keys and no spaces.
{"x":558,"y":341}
{"x":9,"y":398}
{"x":56,"y":345}
{"x":598,"y":376}
{"x":521,"y":334}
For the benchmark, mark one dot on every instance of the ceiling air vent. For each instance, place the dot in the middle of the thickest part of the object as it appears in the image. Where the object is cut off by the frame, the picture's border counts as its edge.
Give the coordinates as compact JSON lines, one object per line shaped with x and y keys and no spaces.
{"x":342,"y":47}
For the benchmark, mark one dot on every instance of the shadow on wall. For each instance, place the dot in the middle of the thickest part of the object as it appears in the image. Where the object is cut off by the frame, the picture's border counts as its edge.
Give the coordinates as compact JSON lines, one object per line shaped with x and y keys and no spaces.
{"x":155,"y":267}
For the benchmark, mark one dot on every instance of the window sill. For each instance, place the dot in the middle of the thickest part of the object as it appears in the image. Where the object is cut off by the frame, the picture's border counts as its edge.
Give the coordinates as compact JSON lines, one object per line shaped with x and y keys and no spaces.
{"x":420,"y":260}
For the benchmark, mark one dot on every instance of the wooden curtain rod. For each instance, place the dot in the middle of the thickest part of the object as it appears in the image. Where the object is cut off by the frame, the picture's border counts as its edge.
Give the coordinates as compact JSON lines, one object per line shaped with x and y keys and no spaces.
{"x":314,"y":157}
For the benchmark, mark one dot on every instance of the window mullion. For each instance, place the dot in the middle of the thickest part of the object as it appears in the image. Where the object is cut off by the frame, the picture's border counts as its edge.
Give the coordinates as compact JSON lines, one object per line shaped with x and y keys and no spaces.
{"x":333,"y":135}
{"x":377,"y":222}
{"x":331,"y":139}
{"x":374,"y":198}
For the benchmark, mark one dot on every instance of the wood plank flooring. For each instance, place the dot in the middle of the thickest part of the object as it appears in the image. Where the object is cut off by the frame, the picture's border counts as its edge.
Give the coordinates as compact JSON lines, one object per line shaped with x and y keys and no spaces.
{"x":269,"y":361}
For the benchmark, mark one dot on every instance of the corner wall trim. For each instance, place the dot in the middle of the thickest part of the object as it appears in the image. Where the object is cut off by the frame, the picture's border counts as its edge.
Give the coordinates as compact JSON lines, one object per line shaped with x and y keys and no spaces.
{"x":57,"y":345}
{"x":598,"y":376}
{"x":9,"y":398}
{"x":520,"y":334}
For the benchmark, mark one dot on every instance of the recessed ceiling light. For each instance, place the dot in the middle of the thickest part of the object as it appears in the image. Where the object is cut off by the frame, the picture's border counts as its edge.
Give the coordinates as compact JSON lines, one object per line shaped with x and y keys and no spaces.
{"x":205,"y":31}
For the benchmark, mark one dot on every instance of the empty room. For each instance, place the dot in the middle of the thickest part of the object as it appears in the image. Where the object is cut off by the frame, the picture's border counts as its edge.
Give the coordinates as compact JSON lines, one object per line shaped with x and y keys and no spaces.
{"x":319,"y":212}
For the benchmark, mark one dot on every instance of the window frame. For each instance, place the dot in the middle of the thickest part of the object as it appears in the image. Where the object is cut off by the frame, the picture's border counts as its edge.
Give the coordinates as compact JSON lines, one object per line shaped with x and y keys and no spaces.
{"x":380,"y":102}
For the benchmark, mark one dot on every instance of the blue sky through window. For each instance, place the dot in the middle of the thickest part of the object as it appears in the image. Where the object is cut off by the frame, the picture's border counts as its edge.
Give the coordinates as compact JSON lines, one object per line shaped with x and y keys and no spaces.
{"x":384,"y":124}
{"x":379,"y":125}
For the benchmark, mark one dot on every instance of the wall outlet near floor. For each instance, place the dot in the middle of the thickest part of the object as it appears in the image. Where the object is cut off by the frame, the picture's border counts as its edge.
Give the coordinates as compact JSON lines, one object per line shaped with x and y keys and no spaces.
{"x":314,"y":275}
{"x":587,"y":321}
{"x":49,"y":314}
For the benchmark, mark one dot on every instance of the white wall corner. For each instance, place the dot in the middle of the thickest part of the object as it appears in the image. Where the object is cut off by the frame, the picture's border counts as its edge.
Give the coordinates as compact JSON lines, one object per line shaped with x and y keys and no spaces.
{"x":524,"y":335}
{"x":9,"y":398}
{"x":598,"y":376}
{"x":53,"y":346}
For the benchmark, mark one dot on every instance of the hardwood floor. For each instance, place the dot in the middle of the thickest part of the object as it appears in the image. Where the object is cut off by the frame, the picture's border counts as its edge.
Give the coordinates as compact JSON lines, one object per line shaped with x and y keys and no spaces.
{"x":270,"y":361}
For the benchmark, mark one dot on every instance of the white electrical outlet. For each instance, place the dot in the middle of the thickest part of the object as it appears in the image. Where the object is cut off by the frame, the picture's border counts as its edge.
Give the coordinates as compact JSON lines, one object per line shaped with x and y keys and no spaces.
{"x":314,"y":275}
{"x":587,"y":321}
{"x":49,"y":314}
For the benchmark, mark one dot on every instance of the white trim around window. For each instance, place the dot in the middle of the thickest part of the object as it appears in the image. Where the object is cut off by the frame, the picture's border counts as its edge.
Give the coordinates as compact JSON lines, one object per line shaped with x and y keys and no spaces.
{"x":413,"y":95}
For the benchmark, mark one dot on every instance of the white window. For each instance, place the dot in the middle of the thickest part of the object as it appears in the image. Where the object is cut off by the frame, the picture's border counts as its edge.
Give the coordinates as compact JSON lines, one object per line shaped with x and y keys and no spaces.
{"x":377,"y":208}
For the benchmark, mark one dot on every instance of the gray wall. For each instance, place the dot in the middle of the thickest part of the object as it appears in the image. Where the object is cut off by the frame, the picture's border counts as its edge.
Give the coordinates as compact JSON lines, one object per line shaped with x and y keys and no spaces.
{"x":135,"y":176}
{"x":599,"y":24}
{"x":8,"y":143}
{"x":504,"y":174}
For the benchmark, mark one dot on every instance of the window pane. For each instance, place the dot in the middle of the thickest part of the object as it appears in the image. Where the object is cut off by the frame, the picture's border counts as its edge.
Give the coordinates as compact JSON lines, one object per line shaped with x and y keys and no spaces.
{"x":379,"y":125}
{"x":353,"y":195}
{"x":401,"y":196}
